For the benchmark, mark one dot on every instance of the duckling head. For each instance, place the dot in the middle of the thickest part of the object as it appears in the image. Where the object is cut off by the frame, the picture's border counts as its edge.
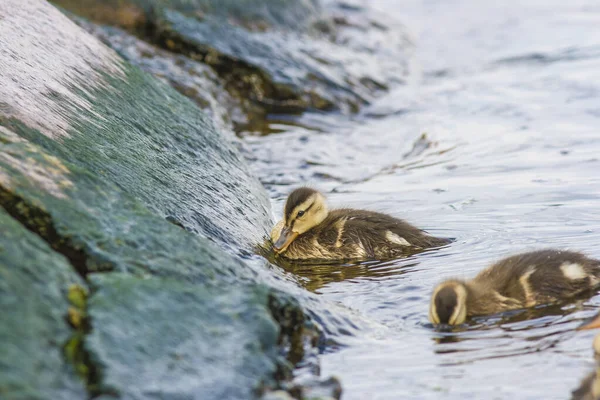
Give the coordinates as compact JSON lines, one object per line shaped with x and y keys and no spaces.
{"x":305,"y":208}
{"x":449,"y":303}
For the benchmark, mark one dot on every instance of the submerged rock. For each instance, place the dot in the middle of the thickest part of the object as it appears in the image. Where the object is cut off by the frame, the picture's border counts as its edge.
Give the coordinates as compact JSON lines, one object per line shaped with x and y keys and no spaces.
{"x":272,"y":56}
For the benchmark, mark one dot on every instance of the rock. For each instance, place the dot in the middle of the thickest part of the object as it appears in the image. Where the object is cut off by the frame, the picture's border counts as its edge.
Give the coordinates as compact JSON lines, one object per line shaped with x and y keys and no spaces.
{"x":66,"y":92}
{"x":277,"y":395}
{"x":191,"y":78}
{"x":105,"y":165}
{"x":162,"y":338}
{"x":273,"y":56}
{"x":165,"y":305}
{"x":34,"y":282}
{"x":98,"y":226}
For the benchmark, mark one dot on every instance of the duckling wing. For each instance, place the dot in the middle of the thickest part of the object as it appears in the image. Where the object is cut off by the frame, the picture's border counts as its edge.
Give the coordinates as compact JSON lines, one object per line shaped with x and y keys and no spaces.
{"x":374,"y":230}
{"x":542,"y":276}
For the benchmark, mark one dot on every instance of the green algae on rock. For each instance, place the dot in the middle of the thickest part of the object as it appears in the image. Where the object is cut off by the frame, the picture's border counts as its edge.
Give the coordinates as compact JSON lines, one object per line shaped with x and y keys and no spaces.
{"x":156,"y":289}
{"x":34,"y":282}
{"x":193,"y":79}
{"x":100,"y":227}
{"x":104,"y":164}
{"x":84,"y":105}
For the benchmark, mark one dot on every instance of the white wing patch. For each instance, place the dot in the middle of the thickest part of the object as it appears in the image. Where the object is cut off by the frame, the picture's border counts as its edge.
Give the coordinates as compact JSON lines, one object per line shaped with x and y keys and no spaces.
{"x":573,"y":271}
{"x":393,"y":238}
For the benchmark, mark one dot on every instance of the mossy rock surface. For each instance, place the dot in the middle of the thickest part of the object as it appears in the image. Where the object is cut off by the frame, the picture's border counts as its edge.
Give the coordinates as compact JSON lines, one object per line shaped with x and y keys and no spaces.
{"x":74,"y":97}
{"x":162,"y":338}
{"x":34,"y":281}
{"x":101,"y":169}
{"x":99,"y":226}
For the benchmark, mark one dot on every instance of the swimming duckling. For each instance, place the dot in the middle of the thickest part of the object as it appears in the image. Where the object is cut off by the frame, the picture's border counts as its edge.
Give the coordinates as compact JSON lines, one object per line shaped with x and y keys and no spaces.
{"x":524,"y":280}
{"x":590,"y":386}
{"x":310,"y":231}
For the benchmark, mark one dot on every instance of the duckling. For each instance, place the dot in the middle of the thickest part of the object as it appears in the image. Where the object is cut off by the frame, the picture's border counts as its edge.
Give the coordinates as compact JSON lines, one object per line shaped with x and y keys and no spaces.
{"x":590,"y":386}
{"x":520,"y":281}
{"x":309,"y":231}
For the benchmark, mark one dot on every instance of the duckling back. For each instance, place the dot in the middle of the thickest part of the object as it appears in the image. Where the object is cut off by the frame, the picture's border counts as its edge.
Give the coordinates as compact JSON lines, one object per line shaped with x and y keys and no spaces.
{"x":520,"y":281}
{"x":382,"y":236}
{"x":541,"y":276}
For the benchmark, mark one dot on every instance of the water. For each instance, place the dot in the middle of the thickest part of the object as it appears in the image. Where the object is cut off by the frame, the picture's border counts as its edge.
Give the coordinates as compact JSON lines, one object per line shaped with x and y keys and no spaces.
{"x":509,"y":98}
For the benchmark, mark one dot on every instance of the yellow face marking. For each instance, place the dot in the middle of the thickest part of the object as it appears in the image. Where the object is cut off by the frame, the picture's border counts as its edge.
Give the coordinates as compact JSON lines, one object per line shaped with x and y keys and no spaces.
{"x":460,"y":312}
{"x":459,"y":315}
{"x":596,"y":344}
{"x":314,"y":211}
{"x":305,"y":205}
{"x":276,"y":231}
{"x":433,"y":315}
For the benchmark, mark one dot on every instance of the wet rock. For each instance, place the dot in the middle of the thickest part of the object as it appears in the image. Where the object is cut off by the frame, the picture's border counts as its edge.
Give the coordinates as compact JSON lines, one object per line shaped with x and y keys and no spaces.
{"x":34,"y":282}
{"x":189,"y":77}
{"x":104,"y":165}
{"x":327,"y":389}
{"x":273,"y":56}
{"x":98,"y":226}
{"x":164,"y":304}
{"x":64,"y":91}
{"x":161,"y":338}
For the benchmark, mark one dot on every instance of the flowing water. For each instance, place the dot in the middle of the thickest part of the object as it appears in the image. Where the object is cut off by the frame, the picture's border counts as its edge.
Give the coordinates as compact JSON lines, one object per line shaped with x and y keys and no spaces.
{"x":508,"y":97}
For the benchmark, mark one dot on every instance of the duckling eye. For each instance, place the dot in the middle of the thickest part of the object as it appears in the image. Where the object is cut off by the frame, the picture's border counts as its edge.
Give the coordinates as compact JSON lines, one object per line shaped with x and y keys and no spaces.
{"x":300,"y":213}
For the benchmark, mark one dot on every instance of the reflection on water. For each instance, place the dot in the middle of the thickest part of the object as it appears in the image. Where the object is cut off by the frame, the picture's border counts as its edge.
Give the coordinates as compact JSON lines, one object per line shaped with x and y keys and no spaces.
{"x":509,"y":97}
{"x":315,"y":277}
{"x":530,"y":330}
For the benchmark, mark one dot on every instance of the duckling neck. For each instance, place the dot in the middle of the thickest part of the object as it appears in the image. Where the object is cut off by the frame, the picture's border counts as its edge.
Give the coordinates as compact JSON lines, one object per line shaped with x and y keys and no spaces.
{"x":479,"y":299}
{"x":321,"y":214}
{"x":482,"y":299}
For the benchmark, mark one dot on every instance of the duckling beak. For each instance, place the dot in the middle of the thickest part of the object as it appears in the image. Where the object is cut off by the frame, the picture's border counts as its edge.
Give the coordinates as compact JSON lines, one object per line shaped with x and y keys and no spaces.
{"x":286,"y":237}
{"x":595,"y":323}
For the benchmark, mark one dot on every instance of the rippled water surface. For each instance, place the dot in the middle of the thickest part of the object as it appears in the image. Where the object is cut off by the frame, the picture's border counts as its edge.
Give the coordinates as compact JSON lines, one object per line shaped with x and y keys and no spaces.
{"x":509,"y":99}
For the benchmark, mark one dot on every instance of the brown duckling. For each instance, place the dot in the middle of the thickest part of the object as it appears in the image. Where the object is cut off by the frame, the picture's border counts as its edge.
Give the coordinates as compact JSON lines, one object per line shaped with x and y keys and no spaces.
{"x":590,"y":386}
{"x":310,"y":231}
{"x":520,"y":281}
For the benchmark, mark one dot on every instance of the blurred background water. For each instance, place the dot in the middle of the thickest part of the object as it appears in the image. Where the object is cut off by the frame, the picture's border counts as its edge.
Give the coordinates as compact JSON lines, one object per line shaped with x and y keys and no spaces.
{"x":493,"y":140}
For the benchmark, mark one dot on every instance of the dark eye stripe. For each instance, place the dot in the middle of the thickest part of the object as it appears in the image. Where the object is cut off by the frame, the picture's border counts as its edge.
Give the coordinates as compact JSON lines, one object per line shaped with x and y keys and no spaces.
{"x":305,"y":211}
